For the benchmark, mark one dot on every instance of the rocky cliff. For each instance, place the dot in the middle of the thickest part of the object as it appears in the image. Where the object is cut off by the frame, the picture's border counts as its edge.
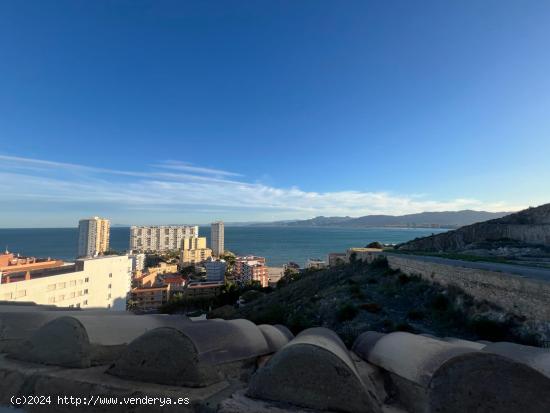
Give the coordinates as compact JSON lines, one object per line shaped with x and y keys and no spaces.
{"x":530,"y":226}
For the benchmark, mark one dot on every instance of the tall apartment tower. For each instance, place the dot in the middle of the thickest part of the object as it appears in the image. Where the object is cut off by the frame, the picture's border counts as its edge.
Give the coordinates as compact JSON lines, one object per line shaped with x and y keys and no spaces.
{"x":93,"y":236}
{"x":160,"y":238}
{"x":217,"y":238}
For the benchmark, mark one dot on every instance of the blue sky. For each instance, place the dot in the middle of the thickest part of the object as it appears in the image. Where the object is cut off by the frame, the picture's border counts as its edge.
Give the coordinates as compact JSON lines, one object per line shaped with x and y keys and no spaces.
{"x":176,"y":112}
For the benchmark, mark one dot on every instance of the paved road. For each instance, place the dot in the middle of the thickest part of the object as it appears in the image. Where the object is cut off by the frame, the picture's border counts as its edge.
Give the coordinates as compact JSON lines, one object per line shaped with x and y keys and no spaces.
{"x":523,"y":271}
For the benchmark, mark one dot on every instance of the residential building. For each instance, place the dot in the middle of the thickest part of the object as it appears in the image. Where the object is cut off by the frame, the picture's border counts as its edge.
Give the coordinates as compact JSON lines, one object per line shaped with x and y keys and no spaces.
{"x":194,"y":251}
{"x":255,"y":271}
{"x":217,"y":233}
{"x":10,"y":263}
{"x":364,"y":254}
{"x":203,"y":289}
{"x":274,"y":275}
{"x":163,"y":268}
{"x":161,"y":237}
{"x":150,"y":298}
{"x":315,"y":264}
{"x":93,"y":236}
{"x":336,"y":258}
{"x":238,"y":267}
{"x":101,"y":282}
{"x":138,"y":262}
{"x":176,"y":282}
{"x":146,"y":280}
{"x":215,"y":270}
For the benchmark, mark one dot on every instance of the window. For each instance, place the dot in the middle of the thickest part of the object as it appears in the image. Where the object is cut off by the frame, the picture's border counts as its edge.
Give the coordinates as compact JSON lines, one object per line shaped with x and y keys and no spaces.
{"x":51,"y":287}
{"x":110,"y":275}
{"x":78,"y":305}
{"x":85,"y":302}
{"x":109,"y":297}
{"x":61,"y":297}
{"x":86,"y":291}
{"x":61,"y":285}
{"x":51,"y":300}
{"x":86,"y":279}
{"x":109,"y":286}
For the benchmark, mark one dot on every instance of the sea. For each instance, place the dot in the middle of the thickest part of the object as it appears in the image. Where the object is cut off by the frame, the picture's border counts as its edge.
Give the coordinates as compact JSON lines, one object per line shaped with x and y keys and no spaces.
{"x":278,"y":244}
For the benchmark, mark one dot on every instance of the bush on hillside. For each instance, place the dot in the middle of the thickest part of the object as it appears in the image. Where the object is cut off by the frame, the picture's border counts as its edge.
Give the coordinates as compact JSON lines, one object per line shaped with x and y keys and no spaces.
{"x":347,"y":312}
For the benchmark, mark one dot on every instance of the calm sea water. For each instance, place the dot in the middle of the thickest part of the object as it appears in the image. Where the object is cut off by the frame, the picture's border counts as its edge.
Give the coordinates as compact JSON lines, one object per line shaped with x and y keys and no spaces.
{"x":278,"y":244}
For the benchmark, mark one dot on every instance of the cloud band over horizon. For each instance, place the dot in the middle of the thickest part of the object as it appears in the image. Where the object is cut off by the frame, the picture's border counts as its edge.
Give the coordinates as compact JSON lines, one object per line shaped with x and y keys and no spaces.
{"x":175,"y":189}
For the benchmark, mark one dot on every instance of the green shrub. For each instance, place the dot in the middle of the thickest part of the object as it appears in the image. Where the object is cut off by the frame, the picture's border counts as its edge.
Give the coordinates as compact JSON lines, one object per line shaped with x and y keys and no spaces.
{"x":405,"y":327}
{"x":415,"y":315}
{"x":375,"y":244}
{"x":272,"y":314}
{"x":440,"y":302}
{"x":371,"y":307}
{"x":379,"y":262}
{"x":347,"y":312}
{"x":387,"y":323}
{"x":490,"y":330}
{"x":299,"y":321}
{"x":355,"y":291}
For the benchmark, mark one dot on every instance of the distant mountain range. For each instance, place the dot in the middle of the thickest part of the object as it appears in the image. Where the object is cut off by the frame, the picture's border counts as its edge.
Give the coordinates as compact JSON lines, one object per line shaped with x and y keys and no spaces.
{"x":447,"y":219}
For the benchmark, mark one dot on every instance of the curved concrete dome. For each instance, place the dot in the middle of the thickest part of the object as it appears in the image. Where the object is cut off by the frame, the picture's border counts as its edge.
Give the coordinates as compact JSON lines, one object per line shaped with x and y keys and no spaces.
{"x":315,"y":371}
{"x":275,"y":337}
{"x":430,"y":375}
{"x":535,"y":357}
{"x":365,"y":342}
{"x":198,"y":350}
{"x":60,"y":342}
{"x":411,"y":356}
{"x":219,"y":341}
{"x":484,"y":382}
{"x":164,"y":355}
{"x":103,"y":327}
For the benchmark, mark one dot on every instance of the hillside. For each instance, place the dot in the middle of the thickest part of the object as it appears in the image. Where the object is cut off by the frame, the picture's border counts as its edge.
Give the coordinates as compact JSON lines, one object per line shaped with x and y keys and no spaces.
{"x":527,"y":227}
{"x":356,"y":297}
{"x":447,"y":219}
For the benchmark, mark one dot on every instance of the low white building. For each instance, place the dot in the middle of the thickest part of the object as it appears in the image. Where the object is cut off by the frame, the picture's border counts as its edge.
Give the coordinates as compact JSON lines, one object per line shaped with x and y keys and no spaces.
{"x":102,"y":282}
{"x":316,"y":264}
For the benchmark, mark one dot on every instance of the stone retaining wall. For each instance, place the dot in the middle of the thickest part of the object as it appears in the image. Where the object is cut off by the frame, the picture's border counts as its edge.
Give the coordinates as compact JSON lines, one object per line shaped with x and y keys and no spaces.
{"x":521,"y":296}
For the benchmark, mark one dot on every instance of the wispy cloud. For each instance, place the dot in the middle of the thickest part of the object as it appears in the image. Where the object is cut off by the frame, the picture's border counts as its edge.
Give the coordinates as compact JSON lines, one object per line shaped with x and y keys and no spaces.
{"x":171,"y":185}
{"x":187,"y":167}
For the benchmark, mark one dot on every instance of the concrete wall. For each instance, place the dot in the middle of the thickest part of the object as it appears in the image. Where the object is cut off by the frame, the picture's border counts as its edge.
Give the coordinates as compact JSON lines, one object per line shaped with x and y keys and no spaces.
{"x":515,"y":294}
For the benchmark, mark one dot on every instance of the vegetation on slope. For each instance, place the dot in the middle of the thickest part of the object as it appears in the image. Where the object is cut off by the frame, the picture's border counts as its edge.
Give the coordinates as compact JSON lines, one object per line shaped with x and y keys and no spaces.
{"x":356,"y":297}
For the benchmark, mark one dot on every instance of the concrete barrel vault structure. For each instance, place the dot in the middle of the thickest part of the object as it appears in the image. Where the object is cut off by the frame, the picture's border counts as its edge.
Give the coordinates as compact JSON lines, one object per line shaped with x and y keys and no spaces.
{"x":197,"y":354}
{"x":315,"y":371}
{"x":107,"y":333}
{"x":431,"y":375}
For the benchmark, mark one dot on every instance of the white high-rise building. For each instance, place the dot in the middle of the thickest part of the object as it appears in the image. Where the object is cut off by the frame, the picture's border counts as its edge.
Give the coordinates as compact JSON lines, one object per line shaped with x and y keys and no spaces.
{"x":93,"y":236}
{"x":161,"y":237}
{"x":217,"y":238}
